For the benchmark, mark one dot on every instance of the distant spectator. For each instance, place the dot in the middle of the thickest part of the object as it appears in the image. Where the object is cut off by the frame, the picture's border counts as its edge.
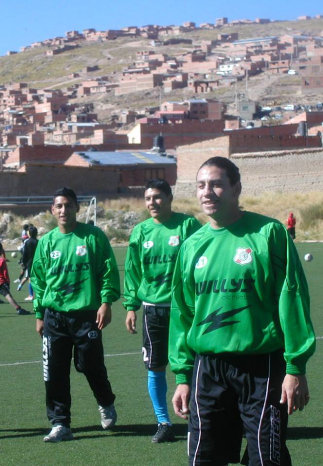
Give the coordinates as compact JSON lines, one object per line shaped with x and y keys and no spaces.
{"x":24,"y":237}
{"x":291,"y":223}
{"x":24,"y":233}
{"x":5,"y":283}
{"x":27,"y":258}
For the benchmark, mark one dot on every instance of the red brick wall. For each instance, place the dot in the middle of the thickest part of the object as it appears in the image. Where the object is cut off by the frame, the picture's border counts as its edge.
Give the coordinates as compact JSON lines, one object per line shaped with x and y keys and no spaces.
{"x":59,"y":154}
{"x":137,"y":176}
{"x":191,"y":157}
{"x":178,"y":134}
{"x":312,"y":118}
{"x":56,"y":154}
{"x":253,"y":143}
{"x":99,"y":181}
{"x":84,"y":181}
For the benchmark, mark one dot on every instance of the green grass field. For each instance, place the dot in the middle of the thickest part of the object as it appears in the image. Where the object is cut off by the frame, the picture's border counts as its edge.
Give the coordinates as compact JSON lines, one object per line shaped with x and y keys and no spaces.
{"x":23,"y":420}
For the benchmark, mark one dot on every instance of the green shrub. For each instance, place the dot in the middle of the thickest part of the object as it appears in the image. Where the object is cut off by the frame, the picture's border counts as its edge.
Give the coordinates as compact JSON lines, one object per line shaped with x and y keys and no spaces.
{"x":118,"y":235}
{"x":144,"y":214}
{"x":311,"y":215}
{"x":109,"y":214}
{"x":13,"y":233}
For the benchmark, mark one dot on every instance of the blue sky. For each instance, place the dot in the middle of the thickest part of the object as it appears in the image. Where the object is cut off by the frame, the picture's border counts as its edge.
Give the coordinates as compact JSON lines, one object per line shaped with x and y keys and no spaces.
{"x":25,"y":22}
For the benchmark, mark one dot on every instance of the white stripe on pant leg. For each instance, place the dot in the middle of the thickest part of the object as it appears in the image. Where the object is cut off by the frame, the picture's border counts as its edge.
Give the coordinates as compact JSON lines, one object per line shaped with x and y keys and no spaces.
{"x":263,"y":411}
{"x":151,"y":347}
{"x":198,"y":412}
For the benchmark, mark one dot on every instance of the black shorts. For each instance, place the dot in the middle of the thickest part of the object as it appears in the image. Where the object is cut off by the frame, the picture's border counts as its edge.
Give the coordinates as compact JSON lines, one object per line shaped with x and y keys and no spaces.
{"x":155,"y":336}
{"x":232,"y":395}
{"x":4,"y":289}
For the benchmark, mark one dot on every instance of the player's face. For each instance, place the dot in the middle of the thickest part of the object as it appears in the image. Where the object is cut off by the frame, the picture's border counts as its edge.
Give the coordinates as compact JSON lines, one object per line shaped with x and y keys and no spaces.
{"x":218,"y":198}
{"x":159,"y":205}
{"x":64,"y":210}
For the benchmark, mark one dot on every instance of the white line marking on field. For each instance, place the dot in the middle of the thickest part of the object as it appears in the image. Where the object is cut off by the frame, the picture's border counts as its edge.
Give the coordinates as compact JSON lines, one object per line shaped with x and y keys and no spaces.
{"x":22,"y":363}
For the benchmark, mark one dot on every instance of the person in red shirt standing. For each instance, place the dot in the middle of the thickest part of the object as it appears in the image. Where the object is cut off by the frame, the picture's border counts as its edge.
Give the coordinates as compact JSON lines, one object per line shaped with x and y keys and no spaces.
{"x":5,"y":282}
{"x":291,"y":223}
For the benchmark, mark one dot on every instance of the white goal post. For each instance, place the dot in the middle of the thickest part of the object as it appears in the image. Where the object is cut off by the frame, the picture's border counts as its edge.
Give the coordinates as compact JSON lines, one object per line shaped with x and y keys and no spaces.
{"x":15,"y":201}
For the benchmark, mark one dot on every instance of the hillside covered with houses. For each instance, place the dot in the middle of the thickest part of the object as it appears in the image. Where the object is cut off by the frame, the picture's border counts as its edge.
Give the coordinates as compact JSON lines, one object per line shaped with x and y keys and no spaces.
{"x":119,"y":118}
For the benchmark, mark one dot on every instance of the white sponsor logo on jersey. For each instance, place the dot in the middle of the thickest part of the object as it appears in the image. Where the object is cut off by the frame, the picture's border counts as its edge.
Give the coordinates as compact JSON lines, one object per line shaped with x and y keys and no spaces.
{"x":173,"y":240}
{"x":201,"y":262}
{"x":243,"y":256}
{"x":148,"y":244}
{"x":55,"y":254}
{"x":81,"y":250}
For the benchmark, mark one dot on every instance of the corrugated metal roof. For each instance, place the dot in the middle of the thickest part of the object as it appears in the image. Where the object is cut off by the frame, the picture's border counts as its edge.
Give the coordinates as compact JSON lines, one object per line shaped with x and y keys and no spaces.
{"x":255,"y":39}
{"x":79,"y":123}
{"x":125,"y":158}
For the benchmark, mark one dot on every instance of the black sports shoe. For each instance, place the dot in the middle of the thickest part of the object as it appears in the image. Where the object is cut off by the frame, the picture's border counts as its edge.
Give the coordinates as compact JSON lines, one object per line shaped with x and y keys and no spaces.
{"x":22,"y":312}
{"x":164,"y":434}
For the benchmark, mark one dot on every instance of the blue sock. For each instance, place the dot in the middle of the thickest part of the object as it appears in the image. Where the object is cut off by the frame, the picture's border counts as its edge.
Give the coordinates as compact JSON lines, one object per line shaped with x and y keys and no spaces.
{"x":30,"y":288}
{"x":157,"y":388}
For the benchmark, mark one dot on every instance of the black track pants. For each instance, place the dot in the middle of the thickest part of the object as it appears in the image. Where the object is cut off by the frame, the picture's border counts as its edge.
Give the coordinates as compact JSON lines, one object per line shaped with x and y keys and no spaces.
{"x":232,"y":395}
{"x":63,"y":332}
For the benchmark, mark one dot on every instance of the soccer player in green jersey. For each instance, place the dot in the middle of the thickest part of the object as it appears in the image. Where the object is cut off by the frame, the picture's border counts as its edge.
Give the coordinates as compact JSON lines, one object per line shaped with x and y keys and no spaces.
{"x":75,"y":280}
{"x":240,"y":328}
{"x":150,"y":261}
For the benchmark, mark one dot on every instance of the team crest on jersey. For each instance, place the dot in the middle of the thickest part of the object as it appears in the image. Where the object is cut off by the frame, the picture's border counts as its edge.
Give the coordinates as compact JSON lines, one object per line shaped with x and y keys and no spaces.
{"x":173,"y":240}
{"x":148,"y":244}
{"x":201,"y":262}
{"x":243,"y":256}
{"x":81,"y":250}
{"x":93,"y":334}
{"x":55,"y":254}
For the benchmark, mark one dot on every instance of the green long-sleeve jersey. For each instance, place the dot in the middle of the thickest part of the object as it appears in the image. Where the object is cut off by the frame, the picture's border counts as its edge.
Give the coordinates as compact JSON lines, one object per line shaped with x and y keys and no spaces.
{"x":74,"y":271}
{"x":240,"y":290}
{"x":151,"y":257}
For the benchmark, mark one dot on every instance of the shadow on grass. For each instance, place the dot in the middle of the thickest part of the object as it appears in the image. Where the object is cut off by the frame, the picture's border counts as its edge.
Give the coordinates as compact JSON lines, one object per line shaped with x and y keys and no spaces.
{"x":81,"y":433}
{"x":19,"y":433}
{"x":128,"y":430}
{"x":142,"y":430}
{"x":297,"y":433}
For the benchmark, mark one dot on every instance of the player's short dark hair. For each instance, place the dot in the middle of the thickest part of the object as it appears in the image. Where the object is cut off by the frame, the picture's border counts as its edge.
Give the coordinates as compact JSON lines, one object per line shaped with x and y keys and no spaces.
{"x":231,"y":169}
{"x":1,"y":249}
{"x":162,"y":185}
{"x":25,"y":226}
{"x":33,"y":232}
{"x":66,"y":192}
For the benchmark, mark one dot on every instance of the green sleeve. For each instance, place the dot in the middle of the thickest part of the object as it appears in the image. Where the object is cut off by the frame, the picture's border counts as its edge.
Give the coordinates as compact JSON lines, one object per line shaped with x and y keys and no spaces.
{"x":38,"y":274}
{"x":293,"y":305}
{"x":133,"y":274}
{"x":181,"y":356}
{"x":109,"y":274}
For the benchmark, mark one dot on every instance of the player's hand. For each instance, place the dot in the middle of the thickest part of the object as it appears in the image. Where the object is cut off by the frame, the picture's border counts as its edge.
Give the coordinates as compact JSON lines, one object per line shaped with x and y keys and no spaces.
{"x":295,"y":392}
{"x":181,"y":400}
{"x":40,"y":327}
{"x":131,"y":321}
{"x":104,"y":315}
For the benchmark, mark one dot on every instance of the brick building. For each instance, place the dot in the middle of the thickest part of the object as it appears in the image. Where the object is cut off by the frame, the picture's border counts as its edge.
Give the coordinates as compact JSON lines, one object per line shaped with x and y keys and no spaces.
{"x":101,"y":174}
{"x":274,"y":171}
{"x":175,"y":134}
